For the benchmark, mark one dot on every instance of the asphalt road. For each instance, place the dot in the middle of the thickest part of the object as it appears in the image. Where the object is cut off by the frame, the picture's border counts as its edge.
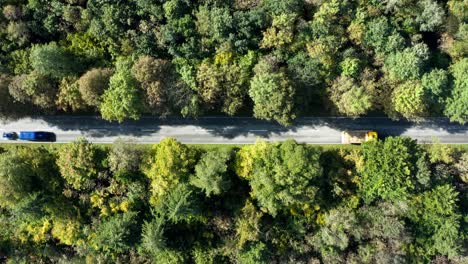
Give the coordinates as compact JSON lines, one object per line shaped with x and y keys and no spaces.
{"x":235,"y":130}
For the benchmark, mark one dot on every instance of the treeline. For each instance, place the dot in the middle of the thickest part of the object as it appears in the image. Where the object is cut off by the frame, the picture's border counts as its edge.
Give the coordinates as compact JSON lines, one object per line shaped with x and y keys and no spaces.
{"x":275,"y":60}
{"x":389,"y":201}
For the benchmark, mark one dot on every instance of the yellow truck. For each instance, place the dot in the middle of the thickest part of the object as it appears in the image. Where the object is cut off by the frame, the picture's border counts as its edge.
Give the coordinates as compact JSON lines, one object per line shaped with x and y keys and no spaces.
{"x":357,"y":136}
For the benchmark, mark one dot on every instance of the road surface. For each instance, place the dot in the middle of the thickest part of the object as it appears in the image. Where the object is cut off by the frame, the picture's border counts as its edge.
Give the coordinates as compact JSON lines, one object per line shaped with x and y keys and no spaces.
{"x":234,"y":130}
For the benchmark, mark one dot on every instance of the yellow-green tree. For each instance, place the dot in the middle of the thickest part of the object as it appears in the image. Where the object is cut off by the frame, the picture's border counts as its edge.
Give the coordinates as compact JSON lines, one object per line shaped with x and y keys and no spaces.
{"x":170,"y":163}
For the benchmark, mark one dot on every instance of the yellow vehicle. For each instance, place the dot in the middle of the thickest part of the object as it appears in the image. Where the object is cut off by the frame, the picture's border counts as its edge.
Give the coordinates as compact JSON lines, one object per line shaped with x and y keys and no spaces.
{"x":357,"y":136}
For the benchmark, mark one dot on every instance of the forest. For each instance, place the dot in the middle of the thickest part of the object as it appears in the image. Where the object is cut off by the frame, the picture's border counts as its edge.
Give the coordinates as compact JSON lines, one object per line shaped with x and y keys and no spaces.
{"x":388,"y":201}
{"x":271,"y":59}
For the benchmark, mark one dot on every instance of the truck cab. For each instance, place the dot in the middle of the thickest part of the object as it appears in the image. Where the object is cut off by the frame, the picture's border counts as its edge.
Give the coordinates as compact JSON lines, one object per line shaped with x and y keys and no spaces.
{"x":357,"y":136}
{"x":10,"y":136}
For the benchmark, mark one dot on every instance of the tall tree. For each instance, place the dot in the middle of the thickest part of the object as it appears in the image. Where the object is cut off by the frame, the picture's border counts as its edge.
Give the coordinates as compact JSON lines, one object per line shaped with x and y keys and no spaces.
{"x":284,"y":176}
{"x":78,"y":163}
{"x":51,"y":59}
{"x":457,"y":104}
{"x":349,"y":97}
{"x":122,"y":100}
{"x":157,"y":78}
{"x":387,"y":169}
{"x":435,"y":223}
{"x":115,"y":235}
{"x":69,"y":96}
{"x":170,"y":164}
{"x":124,"y":157}
{"x":272,"y":93}
{"x":92,"y":85}
{"x":35,"y":88}
{"x":223,"y":81}
{"x":407,"y":64}
{"x":409,"y":100}
{"x":25,"y":173}
{"x":211,"y":173}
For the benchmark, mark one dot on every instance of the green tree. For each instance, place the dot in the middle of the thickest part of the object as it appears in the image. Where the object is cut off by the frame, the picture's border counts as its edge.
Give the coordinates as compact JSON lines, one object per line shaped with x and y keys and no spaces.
{"x":382,"y":37}
{"x":179,"y":204}
{"x":110,"y":23}
{"x":431,"y":16}
{"x":435,"y":223}
{"x":336,"y":232}
{"x":115,"y":235}
{"x":124,"y":157}
{"x":69,"y":97}
{"x":387,"y":169}
{"x":381,"y":234}
{"x":440,"y":153}
{"x":272,"y":93}
{"x":35,"y":88}
{"x":349,"y":98}
{"x":19,"y":62}
{"x":248,"y":224}
{"x":51,"y":59}
{"x":211,"y":173}
{"x":122,"y":100}
{"x":214,"y":24}
{"x":457,"y":104}
{"x":283,"y":7}
{"x":436,"y":86}
{"x":24,"y":173}
{"x":462,"y":167}
{"x":254,"y":253}
{"x":283,"y":176}
{"x":79,"y":164}
{"x":153,"y":240}
{"x":157,"y":78}
{"x":350,"y":67}
{"x":409,"y":100}
{"x":407,"y":64}
{"x":170,"y":164}
{"x":280,"y":33}
{"x":19,"y":32}
{"x":224,"y":80}
{"x":180,"y":37}
{"x":85,"y":46}
{"x":16,"y":178}
{"x":307,"y":76}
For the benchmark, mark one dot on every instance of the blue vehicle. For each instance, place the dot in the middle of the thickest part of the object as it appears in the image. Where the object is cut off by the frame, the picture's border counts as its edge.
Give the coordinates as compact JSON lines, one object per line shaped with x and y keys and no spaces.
{"x":10,"y":136}
{"x":36,"y":136}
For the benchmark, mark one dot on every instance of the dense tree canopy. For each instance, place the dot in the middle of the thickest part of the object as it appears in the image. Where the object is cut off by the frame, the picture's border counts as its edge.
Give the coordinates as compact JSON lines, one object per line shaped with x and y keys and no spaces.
{"x":191,"y":58}
{"x":284,"y":202}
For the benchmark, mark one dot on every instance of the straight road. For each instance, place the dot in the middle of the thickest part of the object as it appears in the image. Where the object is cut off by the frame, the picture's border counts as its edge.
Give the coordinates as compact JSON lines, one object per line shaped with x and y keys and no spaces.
{"x":234,"y":130}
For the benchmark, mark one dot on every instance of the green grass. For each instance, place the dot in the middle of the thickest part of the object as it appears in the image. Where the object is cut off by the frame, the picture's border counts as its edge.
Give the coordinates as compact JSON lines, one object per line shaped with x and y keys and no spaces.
{"x":463,"y":147}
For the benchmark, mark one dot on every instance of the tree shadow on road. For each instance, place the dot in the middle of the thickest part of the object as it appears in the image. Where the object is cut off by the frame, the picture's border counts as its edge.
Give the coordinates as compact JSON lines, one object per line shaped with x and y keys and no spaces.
{"x":233,"y":127}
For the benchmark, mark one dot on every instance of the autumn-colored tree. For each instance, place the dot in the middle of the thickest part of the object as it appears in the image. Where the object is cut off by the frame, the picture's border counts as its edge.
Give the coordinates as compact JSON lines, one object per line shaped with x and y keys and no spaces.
{"x":170,"y":164}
